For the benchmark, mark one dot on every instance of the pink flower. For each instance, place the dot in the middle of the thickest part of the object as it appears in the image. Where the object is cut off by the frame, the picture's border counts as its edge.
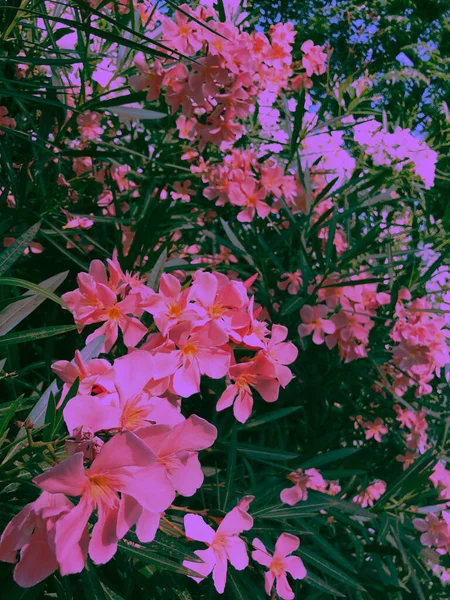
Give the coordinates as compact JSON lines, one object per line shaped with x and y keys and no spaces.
{"x":219,"y":304}
{"x":177,"y":449}
{"x":259,"y":374}
{"x":302,"y":480}
{"x":315,"y":323}
{"x":375,"y":430}
{"x":87,"y":373}
{"x":125,"y":465}
{"x":182,"y":34}
{"x":372,"y":493}
{"x":89,"y":125}
{"x":435,"y":532}
{"x":197,"y":355}
{"x":6,"y":121}
{"x":170,"y":305}
{"x":314,"y":59}
{"x":223,"y":545}
{"x":117,"y":315}
{"x":182,"y":192}
{"x":292,"y":282}
{"x":280,"y":564}
{"x":251,"y":196}
{"x":33,"y":532}
{"x":281,"y":353}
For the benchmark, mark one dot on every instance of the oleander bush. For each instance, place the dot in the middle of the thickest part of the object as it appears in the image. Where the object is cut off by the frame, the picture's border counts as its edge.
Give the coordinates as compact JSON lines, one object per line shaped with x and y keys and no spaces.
{"x":225,"y":299}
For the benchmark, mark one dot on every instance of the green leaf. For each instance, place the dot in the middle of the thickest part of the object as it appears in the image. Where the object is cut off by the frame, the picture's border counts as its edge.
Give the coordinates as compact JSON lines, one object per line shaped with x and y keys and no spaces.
{"x":50,"y":417}
{"x":269,"y":417}
{"x":33,"y":287}
{"x":327,"y":568}
{"x":361,"y":245}
{"x":59,"y":416}
{"x":265,"y":453}
{"x":31,"y":335}
{"x":322,"y":585}
{"x":16,"y":312}
{"x":328,"y":457}
{"x":149,"y":557}
{"x":37,"y":414}
{"x":411,"y":477}
{"x":9,"y":256}
{"x":231,"y":466}
{"x":9,"y":414}
{"x":138,"y":114}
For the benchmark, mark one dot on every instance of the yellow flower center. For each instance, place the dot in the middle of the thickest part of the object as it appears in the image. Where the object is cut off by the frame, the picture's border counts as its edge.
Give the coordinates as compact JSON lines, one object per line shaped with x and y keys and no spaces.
{"x":113,"y":313}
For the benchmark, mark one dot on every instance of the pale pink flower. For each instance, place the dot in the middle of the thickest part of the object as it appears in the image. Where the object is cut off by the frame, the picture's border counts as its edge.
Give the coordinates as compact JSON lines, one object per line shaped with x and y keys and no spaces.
{"x":224,"y":544}
{"x":125,"y":465}
{"x":280,"y":564}
{"x":33,"y":532}
{"x":89,"y":125}
{"x":315,"y":323}
{"x":314,"y":59}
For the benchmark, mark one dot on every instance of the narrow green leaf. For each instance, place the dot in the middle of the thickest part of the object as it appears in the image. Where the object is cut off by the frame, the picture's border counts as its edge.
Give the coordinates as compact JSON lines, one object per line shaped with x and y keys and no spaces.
{"x":16,"y":312}
{"x":328,"y":457}
{"x":9,"y":414}
{"x":265,"y":453}
{"x":148,"y":557}
{"x":9,"y":256}
{"x":325,"y":567}
{"x":231,"y":466}
{"x":137,"y":114}
{"x":50,"y":417}
{"x":269,"y":417}
{"x":33,"y":287}
{"x":19,"y":337}
{"x":322,"y":585}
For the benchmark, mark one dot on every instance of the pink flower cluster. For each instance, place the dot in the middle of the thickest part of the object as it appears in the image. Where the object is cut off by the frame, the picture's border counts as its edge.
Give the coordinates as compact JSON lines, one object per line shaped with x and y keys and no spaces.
{"x":243,"y":181}
{"x":435,"y":531}
{"x":198,"y":330}
{"x":416,"y":440}
{"x":350,"y":325}
{"x":440,"y":478}
{"x":370,"y":494}
{"x":400,"y":148}
{"x":421,"y":348}
{"x":6,"y":121}
{"x":221,"y":84}
{"x":130,"y":480}
{"x":311,"y":479}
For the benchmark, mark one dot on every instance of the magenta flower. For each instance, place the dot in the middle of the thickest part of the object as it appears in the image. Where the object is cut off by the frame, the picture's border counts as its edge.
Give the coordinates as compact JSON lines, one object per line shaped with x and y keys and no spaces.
{"x":279,"y":564}
{"x":32,"y":532}
{"x":223,"y":545}
{"x":125,"y":465}
{"x":435,"y":532}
